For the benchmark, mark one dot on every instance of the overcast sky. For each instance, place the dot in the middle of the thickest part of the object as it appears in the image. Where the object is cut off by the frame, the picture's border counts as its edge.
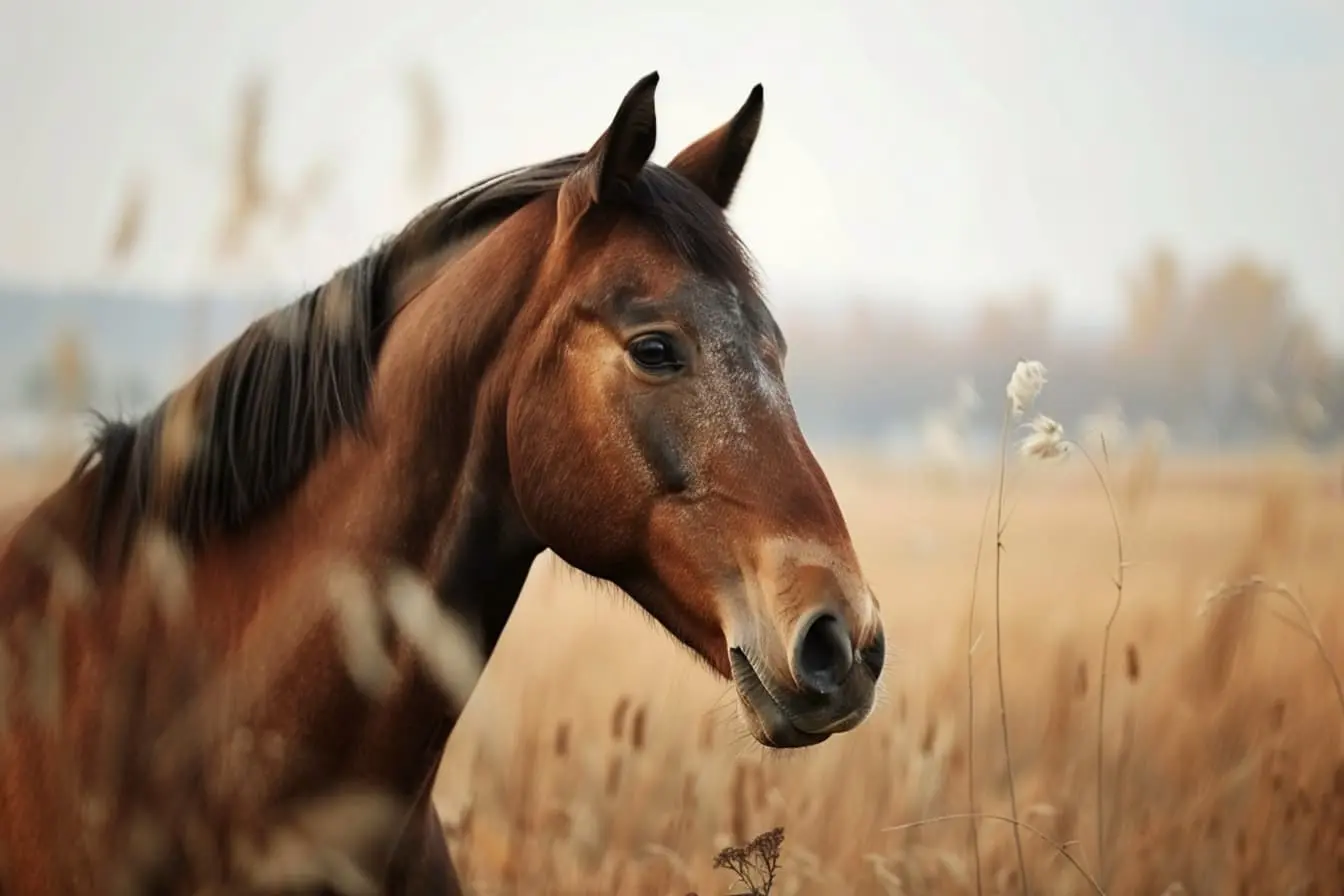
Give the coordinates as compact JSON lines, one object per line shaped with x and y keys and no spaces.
{"x":937,"y":149}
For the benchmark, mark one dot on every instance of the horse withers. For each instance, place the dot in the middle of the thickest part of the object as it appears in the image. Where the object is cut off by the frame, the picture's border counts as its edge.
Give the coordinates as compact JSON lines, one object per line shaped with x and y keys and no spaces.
{"x":573,"y":356}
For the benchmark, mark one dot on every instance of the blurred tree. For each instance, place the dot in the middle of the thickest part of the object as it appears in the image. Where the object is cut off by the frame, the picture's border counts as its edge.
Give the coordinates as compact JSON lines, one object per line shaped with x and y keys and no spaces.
{"x":1242,"y":313}
{"x":1009,"y":325}
{"x":1240,"y":321}
{"x":1153,"y":303}
{"x":1306,"y":358}
{"x":993,"y":325}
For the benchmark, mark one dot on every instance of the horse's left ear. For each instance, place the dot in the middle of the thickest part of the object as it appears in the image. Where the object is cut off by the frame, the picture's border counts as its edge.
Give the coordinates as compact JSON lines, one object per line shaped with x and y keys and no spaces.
{"x":610,"y":167}
{"x":714,"y":163}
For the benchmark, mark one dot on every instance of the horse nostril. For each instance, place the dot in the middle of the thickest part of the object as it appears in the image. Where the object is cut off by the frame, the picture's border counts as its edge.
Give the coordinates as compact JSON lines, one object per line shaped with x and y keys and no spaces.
{"x":823,"y":654}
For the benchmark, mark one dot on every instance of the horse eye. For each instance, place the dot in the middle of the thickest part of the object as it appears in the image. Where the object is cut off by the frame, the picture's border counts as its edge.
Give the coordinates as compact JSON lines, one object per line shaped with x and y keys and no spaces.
{"x":655,"y":353}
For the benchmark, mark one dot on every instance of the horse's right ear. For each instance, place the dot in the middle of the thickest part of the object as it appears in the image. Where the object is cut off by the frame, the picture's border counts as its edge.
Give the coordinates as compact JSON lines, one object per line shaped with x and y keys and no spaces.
{"x":615,"y":160}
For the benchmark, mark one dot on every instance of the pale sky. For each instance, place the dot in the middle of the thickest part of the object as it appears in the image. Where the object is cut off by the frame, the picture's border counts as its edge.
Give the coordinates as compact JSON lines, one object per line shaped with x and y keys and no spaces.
{"x":935,"y":149}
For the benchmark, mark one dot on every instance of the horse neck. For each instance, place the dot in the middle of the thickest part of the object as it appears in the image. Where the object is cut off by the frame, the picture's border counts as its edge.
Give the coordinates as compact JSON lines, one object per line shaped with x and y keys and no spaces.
{"x":423,"y":487}
{"x":437,"y":411}
{"x":427,"y":487}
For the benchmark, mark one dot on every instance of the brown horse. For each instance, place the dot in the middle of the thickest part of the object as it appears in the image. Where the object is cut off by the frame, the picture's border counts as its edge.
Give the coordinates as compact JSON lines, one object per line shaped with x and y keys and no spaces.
{"x":573,"y":356}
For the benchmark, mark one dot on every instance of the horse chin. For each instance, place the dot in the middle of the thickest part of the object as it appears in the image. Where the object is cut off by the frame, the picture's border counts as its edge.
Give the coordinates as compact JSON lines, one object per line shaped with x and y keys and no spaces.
{"x":767,"y":721}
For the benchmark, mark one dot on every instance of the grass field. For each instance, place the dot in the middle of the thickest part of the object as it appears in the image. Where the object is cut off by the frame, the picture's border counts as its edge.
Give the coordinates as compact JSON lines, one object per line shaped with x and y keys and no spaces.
{"x":597,"y":757}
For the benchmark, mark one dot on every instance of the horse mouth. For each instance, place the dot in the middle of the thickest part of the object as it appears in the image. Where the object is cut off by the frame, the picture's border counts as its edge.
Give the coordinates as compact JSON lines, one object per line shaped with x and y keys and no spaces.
{"x":766,"y":718}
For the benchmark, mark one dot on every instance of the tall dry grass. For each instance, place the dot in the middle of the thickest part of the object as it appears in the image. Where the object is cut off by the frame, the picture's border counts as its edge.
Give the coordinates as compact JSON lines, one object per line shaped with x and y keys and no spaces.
{"x":597,"y":757}
{"x":1222,"y":769}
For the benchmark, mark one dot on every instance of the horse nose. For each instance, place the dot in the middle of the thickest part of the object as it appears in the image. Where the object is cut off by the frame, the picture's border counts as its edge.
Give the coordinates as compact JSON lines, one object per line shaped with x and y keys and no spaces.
{"x":823,"y":653}
{"x":874,"y":656}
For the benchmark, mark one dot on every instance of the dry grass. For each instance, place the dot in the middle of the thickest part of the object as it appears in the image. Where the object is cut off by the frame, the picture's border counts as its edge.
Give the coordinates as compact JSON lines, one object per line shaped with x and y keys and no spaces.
{"x":597,"y":757}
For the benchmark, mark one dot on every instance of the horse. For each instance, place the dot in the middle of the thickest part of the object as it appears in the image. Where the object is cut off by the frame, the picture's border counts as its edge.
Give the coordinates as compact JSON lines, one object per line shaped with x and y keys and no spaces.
{"x":573,"y":356}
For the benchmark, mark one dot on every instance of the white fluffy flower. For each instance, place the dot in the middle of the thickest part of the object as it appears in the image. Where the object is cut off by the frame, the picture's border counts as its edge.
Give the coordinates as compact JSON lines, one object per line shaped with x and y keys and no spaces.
{"x":1027,"y":382}
{"x":1045,"y":441}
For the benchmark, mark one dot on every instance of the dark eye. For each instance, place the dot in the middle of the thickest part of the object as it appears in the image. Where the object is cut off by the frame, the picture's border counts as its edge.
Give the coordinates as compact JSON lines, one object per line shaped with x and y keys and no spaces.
{"x":655,"y":353}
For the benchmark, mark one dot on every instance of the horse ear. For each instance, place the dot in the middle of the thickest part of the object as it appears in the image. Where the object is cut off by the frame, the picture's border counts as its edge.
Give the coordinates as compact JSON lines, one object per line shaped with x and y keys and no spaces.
{"x":714,"y":163}
{"x":609,"y":169}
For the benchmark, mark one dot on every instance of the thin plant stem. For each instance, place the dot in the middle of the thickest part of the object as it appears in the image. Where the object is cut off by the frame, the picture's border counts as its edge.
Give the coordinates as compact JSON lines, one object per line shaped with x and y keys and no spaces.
{"x":1314,"y":633}
{"x":1017,"y":826}
{"x":1311,"y":630}
{"x":971,"y":640}
{"x":998,"y":644}
{"x":1105,"y":659}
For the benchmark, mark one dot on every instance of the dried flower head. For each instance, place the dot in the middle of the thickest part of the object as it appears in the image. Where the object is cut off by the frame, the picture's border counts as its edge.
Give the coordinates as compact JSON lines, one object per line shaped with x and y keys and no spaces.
{"x":755,"y":863}
{"x":165,"y":565}
{"x":1230,"y":591}
{"x":444,"y":643}
{"x":359,"y":625}
{"x":1027,"y":382}
{"x":336,"y":841}
{"x":1132,"y":662}
{"x":1045,"y":441}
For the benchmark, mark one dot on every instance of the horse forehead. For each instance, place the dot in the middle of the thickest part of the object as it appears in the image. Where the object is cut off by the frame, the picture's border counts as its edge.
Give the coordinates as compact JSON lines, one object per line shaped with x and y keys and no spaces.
{"x":733,"y":337}
{"x":717,"y":309}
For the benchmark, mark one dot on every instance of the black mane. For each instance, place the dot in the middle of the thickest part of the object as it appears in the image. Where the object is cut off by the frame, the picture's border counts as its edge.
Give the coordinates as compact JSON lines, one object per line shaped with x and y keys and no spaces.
{"x":265,"y":409}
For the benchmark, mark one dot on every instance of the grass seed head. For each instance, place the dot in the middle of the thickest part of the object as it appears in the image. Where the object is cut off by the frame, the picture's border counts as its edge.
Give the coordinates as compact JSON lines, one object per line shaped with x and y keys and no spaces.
{"x":1026,"y":383}
{"x":1045,"y":441}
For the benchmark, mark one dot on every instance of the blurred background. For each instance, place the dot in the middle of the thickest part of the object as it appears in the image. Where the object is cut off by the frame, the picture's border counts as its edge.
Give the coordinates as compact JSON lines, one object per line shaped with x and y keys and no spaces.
{"x":1148,"y":194}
